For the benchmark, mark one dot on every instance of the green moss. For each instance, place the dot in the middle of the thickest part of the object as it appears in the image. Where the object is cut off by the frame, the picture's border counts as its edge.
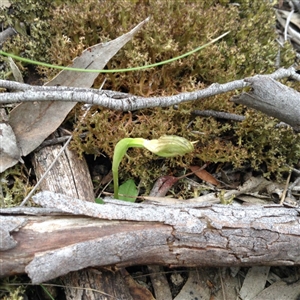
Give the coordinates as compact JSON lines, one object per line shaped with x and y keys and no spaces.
{"x":175,"y":27}
{"x":268,"y":144}
{"x":31,"y":19}
{"x":13,"y":288}
{"x":14,"y":185}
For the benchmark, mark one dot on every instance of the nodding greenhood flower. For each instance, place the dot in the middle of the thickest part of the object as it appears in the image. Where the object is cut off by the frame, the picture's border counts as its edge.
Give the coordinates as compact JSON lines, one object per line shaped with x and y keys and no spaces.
{"x":169,"y":146}
{"x":165,"y":146}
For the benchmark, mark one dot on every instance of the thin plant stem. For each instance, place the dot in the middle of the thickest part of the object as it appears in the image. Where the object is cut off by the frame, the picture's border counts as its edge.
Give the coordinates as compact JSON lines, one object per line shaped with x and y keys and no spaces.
{"x":27,"y":60}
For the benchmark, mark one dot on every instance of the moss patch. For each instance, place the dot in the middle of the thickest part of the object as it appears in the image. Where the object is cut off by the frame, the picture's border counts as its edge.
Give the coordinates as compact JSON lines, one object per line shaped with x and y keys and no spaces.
{"x":60,"y":31}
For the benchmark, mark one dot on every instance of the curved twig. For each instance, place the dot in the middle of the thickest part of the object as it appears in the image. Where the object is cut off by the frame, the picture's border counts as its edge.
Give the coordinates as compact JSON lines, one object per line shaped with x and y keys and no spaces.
{"x":117,"y":100}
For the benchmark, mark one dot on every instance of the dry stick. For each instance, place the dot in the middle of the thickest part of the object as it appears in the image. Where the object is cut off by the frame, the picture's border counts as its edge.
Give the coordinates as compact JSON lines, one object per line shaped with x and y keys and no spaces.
{"x":65,"y":286}
{"x":218,"y":114}
{"x":104,"y":188}
{"x":295,"y":76}
{"x":222,"y":285}
{"x":285,"y":188}
{"x":115,"y":100}
{"x":54,"y":141}
{"x":288,"y":20}
{"x":294,"y":185}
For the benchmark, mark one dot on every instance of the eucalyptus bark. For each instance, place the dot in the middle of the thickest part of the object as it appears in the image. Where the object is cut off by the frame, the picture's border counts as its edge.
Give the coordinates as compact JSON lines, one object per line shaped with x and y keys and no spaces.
{"x":118,"y":235}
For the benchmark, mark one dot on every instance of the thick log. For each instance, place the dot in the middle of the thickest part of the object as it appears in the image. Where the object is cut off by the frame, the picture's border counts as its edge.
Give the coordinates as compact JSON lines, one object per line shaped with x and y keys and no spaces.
{"x":137,"y":234}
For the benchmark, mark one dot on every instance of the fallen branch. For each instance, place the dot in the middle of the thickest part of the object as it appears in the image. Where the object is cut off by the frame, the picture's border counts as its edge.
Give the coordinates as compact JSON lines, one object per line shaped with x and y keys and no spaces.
{"x":272,"y":98}
{"x":120,"y":101}
{"x":123,"y":234}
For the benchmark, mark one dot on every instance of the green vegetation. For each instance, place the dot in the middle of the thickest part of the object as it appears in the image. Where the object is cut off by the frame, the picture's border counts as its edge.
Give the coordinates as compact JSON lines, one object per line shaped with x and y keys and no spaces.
{"x":175,"y":28}
{"x":14,"y":185}
{"x":11,"y":288}
{"x":56,"y":32}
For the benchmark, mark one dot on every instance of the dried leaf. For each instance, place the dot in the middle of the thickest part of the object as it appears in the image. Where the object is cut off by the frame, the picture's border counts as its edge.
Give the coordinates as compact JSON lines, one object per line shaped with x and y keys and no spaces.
{"x":195,"y":285}
{"x":9,"y":150}
{"x":15,"y":70}
{"x":136,"y":290}
{"x":284,"y":15}
{"x":254,"y":282}
{"x":204,"y":175}
{"x":280,"y":290}
{"x":163,"y":185}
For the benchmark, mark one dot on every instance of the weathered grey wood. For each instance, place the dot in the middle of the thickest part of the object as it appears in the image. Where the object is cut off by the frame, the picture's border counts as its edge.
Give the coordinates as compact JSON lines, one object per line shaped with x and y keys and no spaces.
{"x":133,"y":234}
{"x":9,"y":224}
{"x":272,"y":98}
{"x":104,"y":284}
{"x":70,"y":175}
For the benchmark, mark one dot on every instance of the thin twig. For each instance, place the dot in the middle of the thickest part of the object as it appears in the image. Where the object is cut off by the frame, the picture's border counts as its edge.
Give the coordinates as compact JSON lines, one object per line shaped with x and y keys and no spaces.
{"x":54,"y":141}
{"x":222,"y":285}
{"x":287,"y":24}
{"x":218,"y":114}
{"x":285,"y":188}
{"x":125,"y":102}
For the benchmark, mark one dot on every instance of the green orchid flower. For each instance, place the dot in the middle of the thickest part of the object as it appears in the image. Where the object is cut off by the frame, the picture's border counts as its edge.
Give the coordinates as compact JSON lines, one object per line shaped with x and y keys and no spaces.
{"x":165,"y":146}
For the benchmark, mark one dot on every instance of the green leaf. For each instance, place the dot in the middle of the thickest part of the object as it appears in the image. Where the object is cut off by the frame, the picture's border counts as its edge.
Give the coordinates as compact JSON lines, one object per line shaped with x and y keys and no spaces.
{"x":99,"y":201}
{"x":129,"y":190}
